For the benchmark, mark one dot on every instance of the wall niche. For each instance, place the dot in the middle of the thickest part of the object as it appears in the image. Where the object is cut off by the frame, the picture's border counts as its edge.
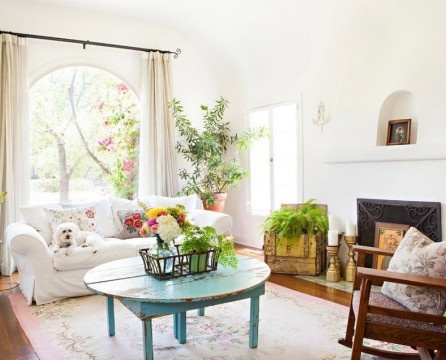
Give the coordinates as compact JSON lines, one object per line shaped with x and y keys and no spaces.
{"x":400,"y":104}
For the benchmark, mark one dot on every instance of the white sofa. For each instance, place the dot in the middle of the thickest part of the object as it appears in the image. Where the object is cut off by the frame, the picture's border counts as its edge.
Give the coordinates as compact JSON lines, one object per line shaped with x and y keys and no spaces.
{"x":45,"y":276}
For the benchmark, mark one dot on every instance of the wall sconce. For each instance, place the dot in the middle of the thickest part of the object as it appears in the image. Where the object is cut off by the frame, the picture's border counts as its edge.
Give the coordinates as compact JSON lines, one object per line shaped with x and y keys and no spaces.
{"x":319,"y":118}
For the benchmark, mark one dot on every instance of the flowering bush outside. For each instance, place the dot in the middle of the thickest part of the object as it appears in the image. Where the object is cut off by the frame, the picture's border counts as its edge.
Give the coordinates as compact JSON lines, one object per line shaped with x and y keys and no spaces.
{"x":121,"y":141}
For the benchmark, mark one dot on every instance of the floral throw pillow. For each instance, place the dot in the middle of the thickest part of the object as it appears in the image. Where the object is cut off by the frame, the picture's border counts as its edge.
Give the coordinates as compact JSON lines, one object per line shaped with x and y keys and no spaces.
{"x":132,"y":221}
{"x":85,"y":218}
{"x":419,"y":255}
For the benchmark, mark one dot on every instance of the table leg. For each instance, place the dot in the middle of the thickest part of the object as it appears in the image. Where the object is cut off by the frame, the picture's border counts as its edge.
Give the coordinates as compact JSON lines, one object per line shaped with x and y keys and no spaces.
{"x":179,"y":326}
{"x":111,"y":316}
{"x":148,"y":339}
{"x":175,"y":325}
{"x":254,"y":322}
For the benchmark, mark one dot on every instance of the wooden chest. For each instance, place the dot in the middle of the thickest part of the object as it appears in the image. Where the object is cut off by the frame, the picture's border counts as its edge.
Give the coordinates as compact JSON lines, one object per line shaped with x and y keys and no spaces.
{"x":305,"y":255}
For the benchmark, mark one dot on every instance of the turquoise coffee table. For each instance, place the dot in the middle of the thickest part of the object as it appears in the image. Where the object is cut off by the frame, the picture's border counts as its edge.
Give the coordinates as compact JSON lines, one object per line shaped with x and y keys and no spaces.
{"x":147,"y":297}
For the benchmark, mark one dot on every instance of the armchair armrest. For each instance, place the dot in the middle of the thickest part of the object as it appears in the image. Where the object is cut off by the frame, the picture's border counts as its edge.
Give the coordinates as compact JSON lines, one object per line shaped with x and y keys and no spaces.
{"x":378,"y":276}
{"x":362,"y":251}
{"x":372,"y":250}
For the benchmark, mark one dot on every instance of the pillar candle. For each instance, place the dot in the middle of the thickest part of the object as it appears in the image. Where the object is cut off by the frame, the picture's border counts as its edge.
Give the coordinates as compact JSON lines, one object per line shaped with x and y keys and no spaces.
{"x":333,"y":238}
{"x":350,"y":229}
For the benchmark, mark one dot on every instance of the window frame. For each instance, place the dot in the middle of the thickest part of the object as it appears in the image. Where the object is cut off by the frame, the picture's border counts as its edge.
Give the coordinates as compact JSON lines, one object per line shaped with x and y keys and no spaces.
{"x":299,"y":148}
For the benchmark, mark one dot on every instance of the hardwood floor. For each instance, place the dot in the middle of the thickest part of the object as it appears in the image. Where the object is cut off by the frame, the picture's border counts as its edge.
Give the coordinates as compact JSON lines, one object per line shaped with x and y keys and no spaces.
{"x":14,"y":345}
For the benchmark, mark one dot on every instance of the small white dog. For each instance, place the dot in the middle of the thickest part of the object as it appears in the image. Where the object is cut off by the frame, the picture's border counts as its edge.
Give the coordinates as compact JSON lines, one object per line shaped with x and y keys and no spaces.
{"x":68,"y":236}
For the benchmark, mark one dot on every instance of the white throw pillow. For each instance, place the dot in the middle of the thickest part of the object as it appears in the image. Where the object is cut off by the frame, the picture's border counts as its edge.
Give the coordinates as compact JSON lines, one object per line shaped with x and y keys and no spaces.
{"x":103,"y":210}
{"x":34,"y":215}
{"x":86,"y":218}
{"x":189,"y":202}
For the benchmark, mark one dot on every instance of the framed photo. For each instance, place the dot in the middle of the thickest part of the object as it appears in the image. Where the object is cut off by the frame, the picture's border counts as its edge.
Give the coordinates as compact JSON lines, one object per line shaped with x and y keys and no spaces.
{"x":387,"y":236}
{"x":398,"y":132}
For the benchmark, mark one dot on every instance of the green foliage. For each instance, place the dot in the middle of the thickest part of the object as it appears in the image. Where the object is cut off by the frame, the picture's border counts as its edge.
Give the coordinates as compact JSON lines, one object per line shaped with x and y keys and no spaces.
{"x":121,"y":140}
{"x":200,"y":240}
{"x":288,"y":223}
{"x":73,"y":110}
{"x":212,"y":169}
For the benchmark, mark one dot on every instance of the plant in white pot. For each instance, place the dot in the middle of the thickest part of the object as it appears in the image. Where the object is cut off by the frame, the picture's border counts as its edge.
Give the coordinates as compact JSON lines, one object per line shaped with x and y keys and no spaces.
{"x":198,"y":241}
{"x":213,"y":171}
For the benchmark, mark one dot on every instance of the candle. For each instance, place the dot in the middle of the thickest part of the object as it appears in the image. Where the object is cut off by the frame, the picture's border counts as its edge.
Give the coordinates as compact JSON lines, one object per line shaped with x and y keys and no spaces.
{"x":350,"y":229}
{"x":333,"y":238}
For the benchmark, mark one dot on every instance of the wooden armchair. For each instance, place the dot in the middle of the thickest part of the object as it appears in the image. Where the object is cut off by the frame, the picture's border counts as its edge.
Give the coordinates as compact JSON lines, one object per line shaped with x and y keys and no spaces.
{"x":375,"y":316}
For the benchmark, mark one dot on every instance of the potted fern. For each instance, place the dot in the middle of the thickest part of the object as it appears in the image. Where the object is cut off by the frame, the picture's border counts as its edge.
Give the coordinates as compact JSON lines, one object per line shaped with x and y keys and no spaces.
{"x":199,"y":241}
{"x":294,"y":238}
{"x":308,"y":219}
{"x":212,"y":169}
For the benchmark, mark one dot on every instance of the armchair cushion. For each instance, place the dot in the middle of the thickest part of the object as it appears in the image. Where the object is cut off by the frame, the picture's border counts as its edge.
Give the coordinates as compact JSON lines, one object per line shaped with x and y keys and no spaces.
{"x":379,"y":299}
{"x":417,"y":254}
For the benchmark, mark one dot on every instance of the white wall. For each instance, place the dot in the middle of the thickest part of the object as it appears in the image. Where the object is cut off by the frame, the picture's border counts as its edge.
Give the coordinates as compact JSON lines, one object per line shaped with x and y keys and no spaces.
{"x":351,"y":54}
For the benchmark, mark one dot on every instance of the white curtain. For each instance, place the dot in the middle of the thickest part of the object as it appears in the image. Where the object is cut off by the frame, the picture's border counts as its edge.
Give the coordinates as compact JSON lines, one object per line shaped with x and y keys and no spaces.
{"x":158,"y":170}
{"x":14,"y":177}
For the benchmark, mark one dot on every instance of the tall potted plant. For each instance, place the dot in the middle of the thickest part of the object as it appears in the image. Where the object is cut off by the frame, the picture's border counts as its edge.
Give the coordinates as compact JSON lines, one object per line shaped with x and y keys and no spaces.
{"x":212,"y":170}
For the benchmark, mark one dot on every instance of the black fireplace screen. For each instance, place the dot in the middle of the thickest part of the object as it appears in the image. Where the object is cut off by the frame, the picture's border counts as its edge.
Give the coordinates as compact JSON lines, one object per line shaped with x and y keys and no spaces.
{"x":425,"y":216}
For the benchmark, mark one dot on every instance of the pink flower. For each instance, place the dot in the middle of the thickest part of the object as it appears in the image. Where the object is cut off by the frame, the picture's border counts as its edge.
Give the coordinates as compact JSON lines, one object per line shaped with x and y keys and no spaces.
{"x":154,"y":229}
{"x":122,"y":88}
{"x":128,"y":165}
{"x":106,"y":143}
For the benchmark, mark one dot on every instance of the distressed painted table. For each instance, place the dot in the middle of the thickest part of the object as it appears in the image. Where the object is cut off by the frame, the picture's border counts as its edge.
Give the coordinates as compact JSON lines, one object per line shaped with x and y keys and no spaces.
{"x":147,"y":297}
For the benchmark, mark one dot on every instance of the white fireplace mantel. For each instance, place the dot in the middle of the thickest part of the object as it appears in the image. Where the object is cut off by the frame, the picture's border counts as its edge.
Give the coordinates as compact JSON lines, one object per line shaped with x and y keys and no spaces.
{"x":412,"y":152}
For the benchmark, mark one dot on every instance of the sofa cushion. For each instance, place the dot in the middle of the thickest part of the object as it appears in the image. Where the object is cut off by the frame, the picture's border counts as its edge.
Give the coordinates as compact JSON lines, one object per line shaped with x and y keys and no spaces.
{"x":85,"y":218}
{"x":34,"y":215}
{"x":103,"y":210}
{"x":131,"y":222}
{"x":113,"y":249}
{"x":122,"y":204}
{"x":419,"y":255}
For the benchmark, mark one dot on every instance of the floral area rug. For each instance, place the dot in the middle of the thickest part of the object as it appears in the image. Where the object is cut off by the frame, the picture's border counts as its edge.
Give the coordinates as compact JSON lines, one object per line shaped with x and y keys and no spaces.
{"x":292,"y":326}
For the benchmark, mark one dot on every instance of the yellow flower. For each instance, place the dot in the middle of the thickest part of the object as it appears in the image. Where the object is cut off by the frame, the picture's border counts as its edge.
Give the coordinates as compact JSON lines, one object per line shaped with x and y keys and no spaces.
{"x":155,"y":212}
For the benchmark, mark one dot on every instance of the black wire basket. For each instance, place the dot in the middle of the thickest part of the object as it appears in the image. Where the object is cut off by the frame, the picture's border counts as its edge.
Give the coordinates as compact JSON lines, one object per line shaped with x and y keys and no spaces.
{"x":177,"y":265}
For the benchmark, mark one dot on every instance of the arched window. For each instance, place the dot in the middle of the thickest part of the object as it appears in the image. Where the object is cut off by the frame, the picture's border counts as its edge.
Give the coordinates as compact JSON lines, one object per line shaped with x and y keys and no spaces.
{"x":84,"y":136}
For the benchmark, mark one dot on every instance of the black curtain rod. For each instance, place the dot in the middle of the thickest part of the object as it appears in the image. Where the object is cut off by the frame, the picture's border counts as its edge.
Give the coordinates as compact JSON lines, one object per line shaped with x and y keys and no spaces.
{"x":86,"y":42}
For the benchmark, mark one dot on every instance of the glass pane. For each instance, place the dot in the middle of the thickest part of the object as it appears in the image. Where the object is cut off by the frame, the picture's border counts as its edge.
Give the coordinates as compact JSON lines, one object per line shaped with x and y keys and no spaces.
{"x":285,"y":164}
{"x":259,"y":169}
{"x":84,"y":136}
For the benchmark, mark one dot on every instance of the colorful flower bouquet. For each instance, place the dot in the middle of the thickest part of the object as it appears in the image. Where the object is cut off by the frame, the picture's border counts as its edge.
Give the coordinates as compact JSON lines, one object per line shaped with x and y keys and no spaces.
{"x":200,"y":251}
{"x":166,"y":223}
